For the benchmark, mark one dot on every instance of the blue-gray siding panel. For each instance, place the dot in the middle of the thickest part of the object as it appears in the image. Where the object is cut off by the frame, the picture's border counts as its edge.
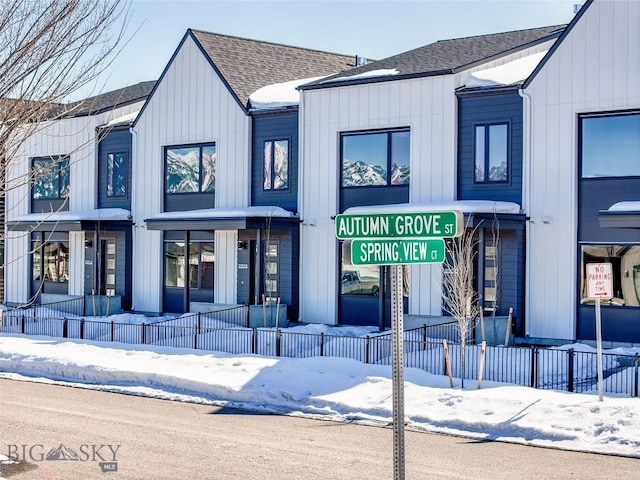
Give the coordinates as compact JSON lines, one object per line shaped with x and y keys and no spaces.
{"x":481,"y":109}
{"x":115,"y":141}
{"x":276,"y":126}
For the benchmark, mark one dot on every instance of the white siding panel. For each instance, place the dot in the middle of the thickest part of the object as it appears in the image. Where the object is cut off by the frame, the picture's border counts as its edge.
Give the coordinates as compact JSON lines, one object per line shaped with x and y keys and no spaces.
{"x":425,"y":105}
{"x":190,"y":105}
{"x":76,"y":263}
{"x":600,"y":61}
{"x":17,"y":267}
{"x":225,"y":270}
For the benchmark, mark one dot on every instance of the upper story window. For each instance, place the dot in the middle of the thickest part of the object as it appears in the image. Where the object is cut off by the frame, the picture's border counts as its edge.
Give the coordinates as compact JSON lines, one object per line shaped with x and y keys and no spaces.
{"x":276,"y":165}
{"x":190,"y":169}
{"x":50,"y":178}
{"x":491,"y":153}
{"x":117,"y":175}
{"x":375,"y":159}
{"x":610,"y":145}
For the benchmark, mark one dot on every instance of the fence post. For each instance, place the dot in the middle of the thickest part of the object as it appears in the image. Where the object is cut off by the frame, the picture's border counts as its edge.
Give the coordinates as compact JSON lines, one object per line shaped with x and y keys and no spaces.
{"x":248,"y":318}
{"x":322,"y":344}
{"x":199,"y":322}
{"x":23,"y":324}
{"x":570,"y":354}
{"x":82,"y":329}
{"x":278,"y":338}
{"x":367,"y":350}
{"x":635,"y":364}
{"x":195,"y":334}
{"x":65,"y":328}
{"x":144,"y":333}
{"x":534,"y":367}
{"x":113,"y":330}
{"x":254,"y":341}
{"x":424,"y":336}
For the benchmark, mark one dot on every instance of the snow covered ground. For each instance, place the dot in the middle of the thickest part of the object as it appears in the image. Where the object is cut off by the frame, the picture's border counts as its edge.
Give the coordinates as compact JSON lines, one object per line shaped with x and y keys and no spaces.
{"x":331,"y":387}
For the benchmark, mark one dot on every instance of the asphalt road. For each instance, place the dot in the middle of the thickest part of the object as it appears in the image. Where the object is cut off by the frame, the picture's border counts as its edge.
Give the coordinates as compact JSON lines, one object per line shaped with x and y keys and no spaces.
{"x":146,"y":438}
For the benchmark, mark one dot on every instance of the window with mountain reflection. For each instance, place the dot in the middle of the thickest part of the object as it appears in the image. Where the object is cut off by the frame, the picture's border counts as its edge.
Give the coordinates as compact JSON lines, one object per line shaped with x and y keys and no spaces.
{"x":375,"y":159}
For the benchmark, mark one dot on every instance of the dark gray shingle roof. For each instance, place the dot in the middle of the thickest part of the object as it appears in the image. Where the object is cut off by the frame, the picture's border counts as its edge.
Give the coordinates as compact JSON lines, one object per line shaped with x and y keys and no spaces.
{"x":106,"y":101}
{"x":247,"y":65}
{"x":448,"y":56}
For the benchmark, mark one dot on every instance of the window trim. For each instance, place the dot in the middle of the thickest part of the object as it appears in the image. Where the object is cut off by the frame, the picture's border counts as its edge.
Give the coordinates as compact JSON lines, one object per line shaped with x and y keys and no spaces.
{"x":200,"y":146}
{"x":60,"y":162}
{"x":272,"y":160}
{"x":388,"y":132}
{"x":487,"y":156}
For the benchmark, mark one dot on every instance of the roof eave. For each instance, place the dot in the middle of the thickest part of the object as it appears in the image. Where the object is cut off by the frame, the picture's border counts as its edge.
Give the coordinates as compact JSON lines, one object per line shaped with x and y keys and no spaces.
{"x":362,"y":81}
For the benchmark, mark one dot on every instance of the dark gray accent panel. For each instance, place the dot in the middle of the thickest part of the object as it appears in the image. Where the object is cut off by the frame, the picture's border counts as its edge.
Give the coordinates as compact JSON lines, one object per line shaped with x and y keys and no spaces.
{"x":275,"y":126}
{"x":481,"y":109}
{"x":115,"y":141}
{"x":179,"y":202}
{"x":599,"y":194}
{"x":49,"y":205}
{"x":511,"y":277}
{"x":358,"y":196}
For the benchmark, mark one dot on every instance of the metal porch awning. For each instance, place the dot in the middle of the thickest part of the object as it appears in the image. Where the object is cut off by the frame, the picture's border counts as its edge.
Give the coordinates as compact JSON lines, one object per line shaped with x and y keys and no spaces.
{"x":621,"y":215}
{"x":245,"y":218}
{"x":113,"y":219}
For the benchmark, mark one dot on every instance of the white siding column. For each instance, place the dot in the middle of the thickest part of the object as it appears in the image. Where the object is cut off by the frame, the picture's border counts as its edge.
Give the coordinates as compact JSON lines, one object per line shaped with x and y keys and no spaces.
{"x":225,"y":281}
{"x":76,"y":263}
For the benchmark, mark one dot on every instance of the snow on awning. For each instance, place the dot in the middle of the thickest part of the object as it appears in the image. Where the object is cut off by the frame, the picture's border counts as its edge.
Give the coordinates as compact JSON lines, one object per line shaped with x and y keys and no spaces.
{"x":505,"y":214}
{"x":74,"y":220}
{"x":278,"y":95}
{"x":221,"y":218}
{"x":621,"y":215}
{"x":464,"y":206}
{"x":509,"y":73}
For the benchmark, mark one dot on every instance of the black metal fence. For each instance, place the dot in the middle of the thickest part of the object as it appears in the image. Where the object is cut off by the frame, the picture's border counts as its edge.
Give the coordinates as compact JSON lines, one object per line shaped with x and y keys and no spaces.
{"x":545,"y":368}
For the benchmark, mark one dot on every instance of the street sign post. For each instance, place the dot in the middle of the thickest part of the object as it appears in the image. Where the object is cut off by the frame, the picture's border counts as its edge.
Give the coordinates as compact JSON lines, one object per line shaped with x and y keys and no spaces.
{"x":397,"y":239}
{"x":599,"y":287}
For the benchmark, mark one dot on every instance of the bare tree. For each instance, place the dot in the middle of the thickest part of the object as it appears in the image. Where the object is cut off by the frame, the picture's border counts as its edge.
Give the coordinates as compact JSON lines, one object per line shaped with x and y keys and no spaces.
{"x":460,"y":299}
{"x":50,"y":49}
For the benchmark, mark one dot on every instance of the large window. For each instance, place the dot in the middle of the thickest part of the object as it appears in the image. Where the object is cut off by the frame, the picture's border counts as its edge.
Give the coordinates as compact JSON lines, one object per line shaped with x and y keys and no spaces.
{"x":611,"y":145}
{"x":276,"y":165}
{"x":201,"y":261}
{"x":190,"y":169}
{"x":117,"y":174}
{"x":50,"y":178}
{"x":491,"y":153}
{"x":375,"y":159}
{"x":625,"y":262}
{"x":50,"y":261}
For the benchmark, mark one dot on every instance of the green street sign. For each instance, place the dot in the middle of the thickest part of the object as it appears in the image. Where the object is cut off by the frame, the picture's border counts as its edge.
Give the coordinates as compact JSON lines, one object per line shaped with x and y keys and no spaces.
{"x":397,"y":251}
{"x":400,"y":225}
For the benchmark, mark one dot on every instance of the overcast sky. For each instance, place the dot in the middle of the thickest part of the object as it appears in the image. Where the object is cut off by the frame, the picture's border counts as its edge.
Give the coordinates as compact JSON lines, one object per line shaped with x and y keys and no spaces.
{"x":373,"y":29}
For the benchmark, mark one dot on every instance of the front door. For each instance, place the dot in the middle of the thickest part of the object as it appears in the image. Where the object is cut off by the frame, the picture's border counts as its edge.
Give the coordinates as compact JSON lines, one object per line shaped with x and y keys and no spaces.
{"x":107,"y":267}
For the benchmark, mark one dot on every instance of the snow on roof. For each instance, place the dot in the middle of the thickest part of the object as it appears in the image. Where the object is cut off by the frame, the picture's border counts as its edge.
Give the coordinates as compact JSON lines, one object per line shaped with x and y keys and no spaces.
{"x":625,"y":207}
{"x":507,"y":74}
{"x":382,"y":72}
{"x":122,"y":120}
{"x":278,"y":94}
{"x":98,"y":214}
{"x":209,"y":213}
{"x":465,"y":206}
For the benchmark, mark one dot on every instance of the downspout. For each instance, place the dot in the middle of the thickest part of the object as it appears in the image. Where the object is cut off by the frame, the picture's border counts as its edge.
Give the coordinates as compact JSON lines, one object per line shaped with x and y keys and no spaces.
{"x":301,"y":210}
{"x":131,"y":276}
{"x":527,"y":155}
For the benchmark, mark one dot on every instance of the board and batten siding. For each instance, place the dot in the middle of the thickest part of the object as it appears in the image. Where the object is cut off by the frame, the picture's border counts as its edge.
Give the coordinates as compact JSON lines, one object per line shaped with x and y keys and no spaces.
{"x":427,"y":106}
{"x":269,"y":127}
{"x":595,"y":69}
{"x":190,"y":105}
{"x":76,"y":138}
{"x":489,"y":109}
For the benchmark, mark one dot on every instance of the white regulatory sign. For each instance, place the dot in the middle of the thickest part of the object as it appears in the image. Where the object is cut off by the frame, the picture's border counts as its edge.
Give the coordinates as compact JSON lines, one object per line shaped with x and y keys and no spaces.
{"x":599,"y":281}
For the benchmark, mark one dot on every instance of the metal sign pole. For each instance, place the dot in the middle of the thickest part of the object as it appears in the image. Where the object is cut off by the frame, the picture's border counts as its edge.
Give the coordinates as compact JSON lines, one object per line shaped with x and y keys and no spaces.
{"x":397,"y":339}
{"x":599,"y":348}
